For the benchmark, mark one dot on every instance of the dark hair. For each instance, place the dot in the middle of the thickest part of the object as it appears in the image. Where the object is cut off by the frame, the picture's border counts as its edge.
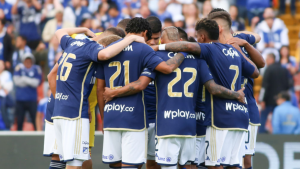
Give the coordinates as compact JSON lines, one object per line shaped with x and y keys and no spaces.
{"x":272,"y":55}
{"x":138,"y":25}
{"x":155,"y":24}
{"x":191,"y":39}
{"x":221,"y":15}
{"x":285,"y":46}
{"x":209,"y":26}
{"x":23,"y":37}
{"x":112,"y":6}
{"x":116,"y":31}
{"x":83,"y":20}
{"x":182,"y":34}
{"x":123,"y":23}
{"x":216,"y":10}
{"x":284,"y":95}
{"x":168,"y":20}
{"x":2,"y":21}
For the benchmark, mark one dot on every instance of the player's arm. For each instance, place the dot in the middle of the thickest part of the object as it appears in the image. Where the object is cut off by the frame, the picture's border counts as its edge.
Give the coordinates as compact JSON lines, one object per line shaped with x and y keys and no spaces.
{"x":170,"y":65}
{"x":116,"y":48}
{"x":52,"y":79}
{"x":223,"y":92}
{"x":256,"y":36}
{"x":100,"y":99}
{"x":70,"y":31}
{"x":182,"y":46}
{"x":127,"y":90}
{"x":254,"y":54}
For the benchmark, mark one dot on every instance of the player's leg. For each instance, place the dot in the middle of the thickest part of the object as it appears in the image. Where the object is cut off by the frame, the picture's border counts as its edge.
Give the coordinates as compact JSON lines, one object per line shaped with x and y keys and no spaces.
{"x":112,"y":152}
{"x":134,"y":148}
{"x":250,"y":145}
{"x":56,"y":163}
{"x":167,"y":151}
{"x":214,"y":142}
{"x":187,"y":153}
{"x":151,"y":164}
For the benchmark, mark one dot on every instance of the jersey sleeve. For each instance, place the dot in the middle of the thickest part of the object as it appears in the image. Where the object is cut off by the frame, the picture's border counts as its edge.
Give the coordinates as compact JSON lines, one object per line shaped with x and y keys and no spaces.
{"x":205,"y":74}
{"x":100,"y":72}
{"x":150,"y":60}
{"x":65,"y":41}
{"x":247,"y":37}
{"x":204,"y":51}
{"x":151,"y":74}
{"x":92,"y":51}
{"x":247,"y":68}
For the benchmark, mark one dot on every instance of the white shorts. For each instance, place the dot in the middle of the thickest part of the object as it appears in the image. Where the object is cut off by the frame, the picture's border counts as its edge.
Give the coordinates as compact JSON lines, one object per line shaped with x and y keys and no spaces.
{"x":223,"y":147}
{"x":151,"y":142}
{"x":200,"y":152}
{"x":171,"y":151}
{"x":128,"y":147}
{"x":49,"y":140}
{"x":72,"y":138}
{"x":250,"y":140}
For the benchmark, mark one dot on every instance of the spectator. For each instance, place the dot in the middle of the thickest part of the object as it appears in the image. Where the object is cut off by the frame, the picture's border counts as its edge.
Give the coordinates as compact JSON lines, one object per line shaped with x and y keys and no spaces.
{"x":289,"y":63}
{"x":179,"y":21}
{"x":286,"y":117}
{"x":145,"y":12}
{"x":54,"y":50}
{"x":86,"y":22}
{"x":2,"y":35}
{"x":55,"y":24}
{"x":242,"y":7}
{"x":101,"y":15}
{"x":238,"y":24}
{"x":175,"y":6}
{"x":49,"y":11}
{"x":6,"y":85}
{"x":74,"y":12}
{"x":113,"y":17}
{"x":84,"y":3}
{"x":272,"y":31}
{"x":28,"y":12}
{"x":6,"y":7}
{"x":206,"y":9}
{"x":41,"y":112}
{"x":191,"y":15}
{"x":256,"y":8}
{"x":292,"y":5}
{"x":27,"y":78}
{"x":168,"y":22}
{"x":93,"y":5}
{"x":162,"y":13}
{"x":21,"y":49}
{"x":224,"y":4}
{"x":275,"y":80}
{"x":8,"y":47}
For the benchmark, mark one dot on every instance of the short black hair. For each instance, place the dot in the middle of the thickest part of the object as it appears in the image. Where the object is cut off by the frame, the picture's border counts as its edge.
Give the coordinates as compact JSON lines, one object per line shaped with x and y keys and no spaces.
{"x":23,"y":37}
{"x":284,"y":95}
{"x":138,"y":25}
{"x":182,"y":34}
{"x":168,"y":20}
{"x":155,"y":24}
{"x":191,"y":39}
{"x":123,"y":23}
{"x":116,"y":31}
{"x":112,"y":6}
{"x":210,"y":26}
{"x":216,"y":10}
{"x":221,"y":15}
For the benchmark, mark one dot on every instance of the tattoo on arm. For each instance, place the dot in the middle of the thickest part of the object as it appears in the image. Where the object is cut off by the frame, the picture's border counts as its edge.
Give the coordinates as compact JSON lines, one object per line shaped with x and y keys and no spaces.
{"x":190,"y":47}
{"x":130,"y":90}
{"x":220,"y":91}
{"x":176,"y":60}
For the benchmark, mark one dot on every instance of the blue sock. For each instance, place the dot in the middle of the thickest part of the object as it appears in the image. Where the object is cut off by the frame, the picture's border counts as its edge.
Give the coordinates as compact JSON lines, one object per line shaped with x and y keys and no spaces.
{"x":57,"y":164}
{"x":249,"y":168}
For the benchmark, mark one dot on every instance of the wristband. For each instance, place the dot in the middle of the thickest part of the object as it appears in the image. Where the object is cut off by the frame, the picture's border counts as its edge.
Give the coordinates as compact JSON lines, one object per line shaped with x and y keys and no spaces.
{"x":162,"y":47}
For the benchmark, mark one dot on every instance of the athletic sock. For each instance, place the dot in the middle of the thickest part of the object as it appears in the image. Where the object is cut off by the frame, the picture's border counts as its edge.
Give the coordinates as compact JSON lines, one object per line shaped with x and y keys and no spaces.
{"x":57,"y":164}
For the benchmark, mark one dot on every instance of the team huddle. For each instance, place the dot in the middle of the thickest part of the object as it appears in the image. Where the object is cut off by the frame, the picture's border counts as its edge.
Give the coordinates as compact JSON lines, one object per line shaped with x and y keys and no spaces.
{"x":166,"y":100}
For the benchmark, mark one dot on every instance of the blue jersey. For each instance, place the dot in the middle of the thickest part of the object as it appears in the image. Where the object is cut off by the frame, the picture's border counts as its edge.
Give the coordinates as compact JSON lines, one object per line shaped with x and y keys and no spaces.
{"x":42,"y":106}
{"x":127,"y":113}
{"x":150,"y":101}
{"x":177,"y":95}
{"x":227,"y":66}
{"x":75,"y":80}
{"x":248,"y":84}
{"x":50,"y":108}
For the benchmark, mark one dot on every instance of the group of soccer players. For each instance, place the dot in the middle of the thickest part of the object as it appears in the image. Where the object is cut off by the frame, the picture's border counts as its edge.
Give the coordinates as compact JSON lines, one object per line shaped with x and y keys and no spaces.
{"x":165,"y":99}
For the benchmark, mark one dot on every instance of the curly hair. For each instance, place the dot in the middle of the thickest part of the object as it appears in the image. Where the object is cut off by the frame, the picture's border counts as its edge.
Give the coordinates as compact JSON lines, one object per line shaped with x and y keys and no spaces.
{"x":138,"y":25}
{"x":209,"y":26}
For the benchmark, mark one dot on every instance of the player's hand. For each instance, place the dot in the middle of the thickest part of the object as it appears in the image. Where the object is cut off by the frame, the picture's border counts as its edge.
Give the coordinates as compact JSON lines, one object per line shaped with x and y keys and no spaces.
{"x":238,"y":41}
{"x":108,"y":94}
{"x":262,"y":105}
{"x":137,"y":38}
{"x":90,"y":33}
{"x":241,"y":97}
{"x":155,"y":47}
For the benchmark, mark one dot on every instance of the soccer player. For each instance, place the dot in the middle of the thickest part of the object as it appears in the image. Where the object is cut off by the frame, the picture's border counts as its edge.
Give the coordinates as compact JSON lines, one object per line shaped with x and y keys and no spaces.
{"x":182,"y":34}
{"x":245,"y":41}
{"x":125,"y":127}
{"x":75,"y":72}
{"x":150,"y":96}
{"x":226,"y":120}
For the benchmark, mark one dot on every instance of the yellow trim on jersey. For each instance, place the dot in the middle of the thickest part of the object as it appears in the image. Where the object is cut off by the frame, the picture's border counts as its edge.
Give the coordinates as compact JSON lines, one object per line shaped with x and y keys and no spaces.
{"x":127,"y":129}
{"x":254,"y":124}
{"x":213,"y":146}
{"x":92,"y":127}
{"x":81,"y":100}
{"x":177,"y":136}
{"x":212,"y":118}
{"x":48,"y":122}
{"x":200,"y":136}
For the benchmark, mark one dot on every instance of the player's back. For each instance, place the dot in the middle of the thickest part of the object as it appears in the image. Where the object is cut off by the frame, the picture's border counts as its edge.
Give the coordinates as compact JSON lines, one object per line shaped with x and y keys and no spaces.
{"x":127,"y":113}
{"x":176,"y":98}
{"x":75,"y":77}
{"x":227,"y":66}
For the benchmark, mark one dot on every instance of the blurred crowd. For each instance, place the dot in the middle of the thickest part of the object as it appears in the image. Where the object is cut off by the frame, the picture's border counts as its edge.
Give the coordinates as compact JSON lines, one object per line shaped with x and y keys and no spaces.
{"x":28,"y":49}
